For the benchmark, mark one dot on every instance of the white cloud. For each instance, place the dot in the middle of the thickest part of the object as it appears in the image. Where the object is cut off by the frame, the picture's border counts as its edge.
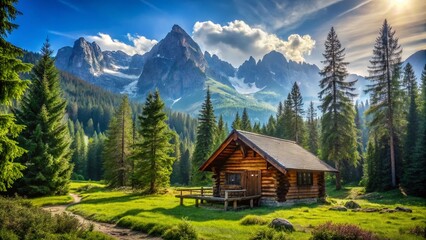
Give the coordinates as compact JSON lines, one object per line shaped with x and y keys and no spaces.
{"x":140,"y":44}
{"x":237,"y":41}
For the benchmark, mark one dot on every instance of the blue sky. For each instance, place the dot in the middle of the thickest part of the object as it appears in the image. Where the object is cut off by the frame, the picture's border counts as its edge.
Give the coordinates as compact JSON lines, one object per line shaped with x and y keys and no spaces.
{"x":233,"y":29}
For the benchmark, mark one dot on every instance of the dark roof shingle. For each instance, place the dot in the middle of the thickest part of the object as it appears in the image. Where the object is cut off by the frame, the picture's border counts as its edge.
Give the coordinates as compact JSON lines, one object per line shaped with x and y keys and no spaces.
{"x":286,"y":153}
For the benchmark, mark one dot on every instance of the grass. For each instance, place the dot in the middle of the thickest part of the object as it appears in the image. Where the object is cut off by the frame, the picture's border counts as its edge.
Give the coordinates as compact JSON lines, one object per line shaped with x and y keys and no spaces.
{"x":155,"y":213}
{"x":52,"y":200}
{"x":75,"y":186}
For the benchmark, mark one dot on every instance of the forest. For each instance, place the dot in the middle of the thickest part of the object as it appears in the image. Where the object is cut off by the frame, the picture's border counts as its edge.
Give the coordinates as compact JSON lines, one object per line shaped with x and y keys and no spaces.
{"x":55,"y":128}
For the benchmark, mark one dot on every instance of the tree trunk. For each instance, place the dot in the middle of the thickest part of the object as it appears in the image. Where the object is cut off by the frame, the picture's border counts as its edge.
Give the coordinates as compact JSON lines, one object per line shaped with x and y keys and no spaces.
{"x":338,"y":178}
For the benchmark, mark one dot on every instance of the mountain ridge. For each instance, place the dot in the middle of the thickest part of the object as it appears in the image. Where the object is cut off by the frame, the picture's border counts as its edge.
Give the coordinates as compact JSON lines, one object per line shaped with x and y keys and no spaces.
{"x":181,"y":71}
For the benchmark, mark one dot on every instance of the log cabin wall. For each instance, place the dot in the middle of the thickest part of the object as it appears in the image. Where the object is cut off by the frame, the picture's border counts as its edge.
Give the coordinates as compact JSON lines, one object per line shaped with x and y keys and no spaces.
{"x":252,"y":161}
{"x":301,"y":192}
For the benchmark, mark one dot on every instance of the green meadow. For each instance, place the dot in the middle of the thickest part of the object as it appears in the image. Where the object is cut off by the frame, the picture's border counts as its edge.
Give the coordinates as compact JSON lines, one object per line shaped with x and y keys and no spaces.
{"x":154,"y":214}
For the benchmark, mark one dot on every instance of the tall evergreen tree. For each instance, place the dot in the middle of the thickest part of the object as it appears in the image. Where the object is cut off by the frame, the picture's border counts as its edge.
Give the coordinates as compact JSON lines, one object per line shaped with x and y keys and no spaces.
{"x":297,"y":108}
{"x":245,"y":121}
{"x":270,"y":127}
{"x":94,"y":160}
{"x":411,"y":138}
{"x":46,"y":136}
{"x":185,"y":167}
{"x":79,"y":156}
{"x":338,"y":137}
{"x":312,"y":124}
{"x":384,"y":90}
{"x":417,"y":180}
{"x":236,"y":124}
{"x":222,"y":132}
{"x":175,"y":177}
{"x":118,"y":146}
{"x":280,"y":128}
{"x":287,"y":121}
{"x":153,"y":153}
{"x":206,"y":131}
{"x":11,"y":88}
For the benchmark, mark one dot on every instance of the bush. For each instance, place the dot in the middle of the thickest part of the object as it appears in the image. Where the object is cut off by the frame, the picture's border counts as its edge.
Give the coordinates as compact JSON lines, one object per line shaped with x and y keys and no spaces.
{"x":253,"y":220}
{"x":330,"y":231}
{"x":269,"y":234}
{"x":182,"y":231}
{"x":20,"y":220}
{"x":418,"y":231}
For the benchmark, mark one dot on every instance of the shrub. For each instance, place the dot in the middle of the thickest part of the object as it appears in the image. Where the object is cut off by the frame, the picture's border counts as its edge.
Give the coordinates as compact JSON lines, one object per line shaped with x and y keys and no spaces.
{"x":66,"y":223}
{"x":253,"y":220}
{"x":330,"y":231}
{"x":269,"y":234}
{"x":182,"y":231}
{"x":418,"y":231}
{"x":20,"y":220}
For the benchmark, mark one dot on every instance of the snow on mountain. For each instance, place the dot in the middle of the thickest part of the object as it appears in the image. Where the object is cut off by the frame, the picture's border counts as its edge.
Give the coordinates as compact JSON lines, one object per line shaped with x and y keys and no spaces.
{"x":244,"y":88}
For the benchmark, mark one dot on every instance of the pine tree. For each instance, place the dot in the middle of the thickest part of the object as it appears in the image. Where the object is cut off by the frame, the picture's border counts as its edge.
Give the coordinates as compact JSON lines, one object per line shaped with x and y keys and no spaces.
{"x":153,"y":153}
{"x":236,"y":124}
{"x":92,"y":173}
{"x":297,"y":109}
{"x":185,"y":167}
{"x":417,"y":181}
{"x":175,"y":177}
{"x":118,"y":147}
{"x":46,"y":136}
{"x":287,"y":121}
{"x":411,"y":138}
{"x":270,"y":127}
{"x":338,"y":137}
{"x":280,"y":128}
{"x":79,"y":156}
{"x":245,"y":121}
{"x":206,"y":131}
{"x":312,"y":124}
{"x":257,"y":128}
{"x":222,"y":132}
{"x":385,"y":90}
{"x":11,"y":88}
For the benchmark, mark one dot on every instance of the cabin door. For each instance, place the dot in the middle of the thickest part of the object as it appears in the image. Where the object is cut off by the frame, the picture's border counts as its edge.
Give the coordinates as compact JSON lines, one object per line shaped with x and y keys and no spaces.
{"x":253,"y":181}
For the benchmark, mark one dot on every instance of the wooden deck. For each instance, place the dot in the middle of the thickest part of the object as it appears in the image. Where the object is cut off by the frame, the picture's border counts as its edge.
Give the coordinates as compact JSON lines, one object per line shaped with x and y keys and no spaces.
{"x":205,"y":194}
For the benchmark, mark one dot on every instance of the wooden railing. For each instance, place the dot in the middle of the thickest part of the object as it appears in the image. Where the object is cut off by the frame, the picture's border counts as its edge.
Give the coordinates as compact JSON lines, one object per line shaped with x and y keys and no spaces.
{"x":203,"y":191}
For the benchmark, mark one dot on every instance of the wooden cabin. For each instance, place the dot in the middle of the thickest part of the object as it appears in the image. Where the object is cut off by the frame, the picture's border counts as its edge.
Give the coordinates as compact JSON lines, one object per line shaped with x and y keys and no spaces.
{"x":280,"y":171}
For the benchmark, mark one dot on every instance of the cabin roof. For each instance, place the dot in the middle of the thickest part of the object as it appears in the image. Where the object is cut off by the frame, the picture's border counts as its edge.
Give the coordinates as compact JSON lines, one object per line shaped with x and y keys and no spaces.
{"x":282,"y":154}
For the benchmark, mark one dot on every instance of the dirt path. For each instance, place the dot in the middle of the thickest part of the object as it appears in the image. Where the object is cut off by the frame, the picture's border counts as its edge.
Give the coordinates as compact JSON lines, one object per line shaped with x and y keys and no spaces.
{"x":110,"y":229}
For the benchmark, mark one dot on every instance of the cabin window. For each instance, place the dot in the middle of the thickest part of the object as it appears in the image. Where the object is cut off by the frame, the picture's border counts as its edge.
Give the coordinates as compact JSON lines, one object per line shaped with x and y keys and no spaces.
{"x":304,"y":179}
{"x":233,"y":178}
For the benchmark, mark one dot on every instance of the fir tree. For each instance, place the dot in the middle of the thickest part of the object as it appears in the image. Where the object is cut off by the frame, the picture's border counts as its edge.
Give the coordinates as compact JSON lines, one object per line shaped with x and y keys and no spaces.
{"x":417,"y":181}
{"x":11,"y":88}
{"x":185,"y":167}
{"x":236,"y":124}
{"x":175,"y":177}
{"x":153,"y":153}
{"x":118,"y":147}
{"x":338,"y":137}
{"x":385,"y":90}
{"x":280,"y":128}
{"x":245,"y":121}
{"x":222,"y":132}
{"x":297,"y":109}
{"x":411,"y":138}
{"x":206,"y":131}
{"x":79,"y":157}
{"x":313,"y":139}
{"x":257,"y":128}
{"x":270,"y":127}
{"x":46,"y":136}
{"x":288,"y":119}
